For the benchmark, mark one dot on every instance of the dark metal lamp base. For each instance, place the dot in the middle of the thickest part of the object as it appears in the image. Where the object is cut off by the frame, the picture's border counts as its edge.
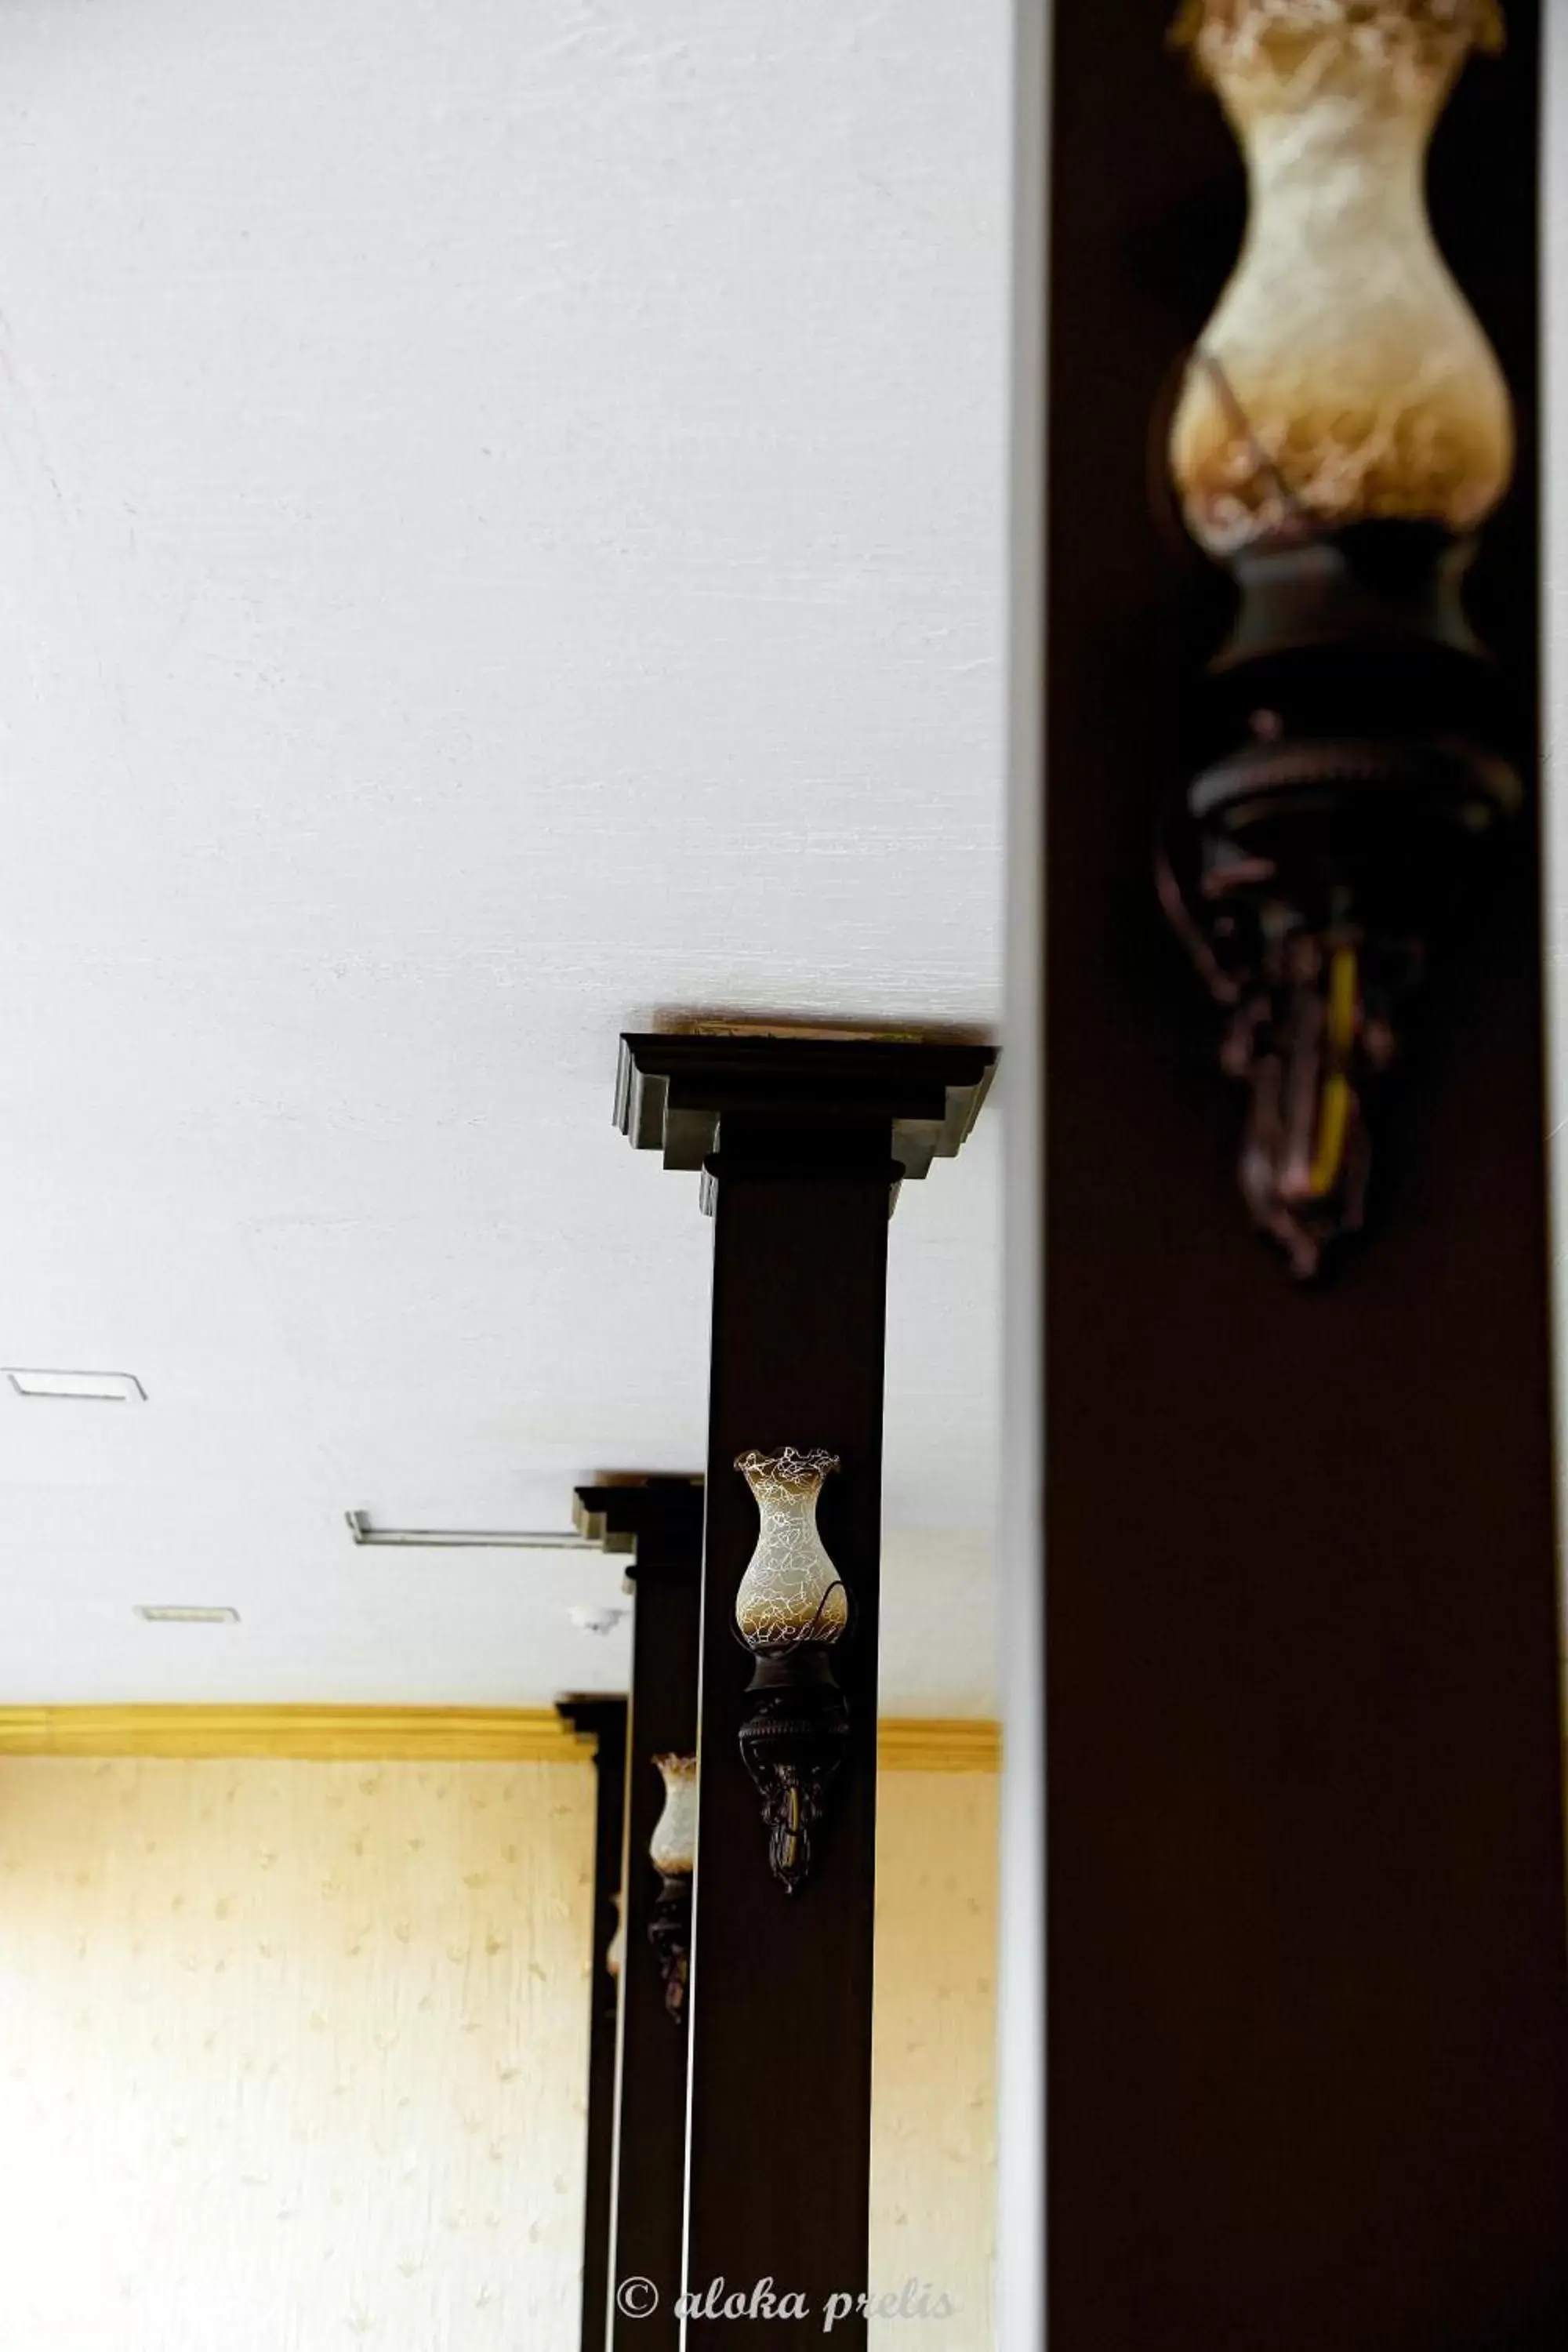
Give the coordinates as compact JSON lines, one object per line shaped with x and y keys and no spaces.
{"x":1349,"y":776}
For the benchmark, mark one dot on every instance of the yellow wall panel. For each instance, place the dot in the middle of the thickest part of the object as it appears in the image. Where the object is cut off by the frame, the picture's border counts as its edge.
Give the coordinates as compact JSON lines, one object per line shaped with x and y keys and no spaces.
{"x":292,"y":2054}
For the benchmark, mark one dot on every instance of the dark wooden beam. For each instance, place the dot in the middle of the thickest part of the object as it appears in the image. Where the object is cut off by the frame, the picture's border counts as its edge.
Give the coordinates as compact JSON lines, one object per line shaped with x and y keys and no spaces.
{"x":1306,"y":2034}
{"x":603,"y":1720}
{"x":778,"y":2152}
{"x":658,"y":1522}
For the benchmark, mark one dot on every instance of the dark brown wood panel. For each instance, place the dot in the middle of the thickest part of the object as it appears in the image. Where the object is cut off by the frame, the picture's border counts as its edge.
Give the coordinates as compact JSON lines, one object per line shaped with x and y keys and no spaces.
{"x":781,"y":2023}
{"x":662,"y":1517}
{"x":604,"y":1720}
{"x":1308,"y":2029}
{"x":802,"y":1141}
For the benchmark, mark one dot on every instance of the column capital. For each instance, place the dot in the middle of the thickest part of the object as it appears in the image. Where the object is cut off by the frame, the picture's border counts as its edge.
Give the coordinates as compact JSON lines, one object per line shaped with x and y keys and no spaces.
{"x":673,"y":1094}
{"x":596,"y":1716}
{"x":656,"y":1520}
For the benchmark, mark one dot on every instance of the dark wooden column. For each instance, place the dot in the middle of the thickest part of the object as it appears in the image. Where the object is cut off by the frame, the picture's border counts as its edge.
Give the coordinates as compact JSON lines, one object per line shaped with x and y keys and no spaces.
{"x":801,"y":1139}
{"x":1308,"y":2008}
{"x":604,"y":1720}
{"x":658,"y":1522}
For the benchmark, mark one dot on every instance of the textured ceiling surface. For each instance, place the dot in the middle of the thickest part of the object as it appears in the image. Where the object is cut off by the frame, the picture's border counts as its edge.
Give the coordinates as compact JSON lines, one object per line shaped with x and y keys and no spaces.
{"x":500,"y":540}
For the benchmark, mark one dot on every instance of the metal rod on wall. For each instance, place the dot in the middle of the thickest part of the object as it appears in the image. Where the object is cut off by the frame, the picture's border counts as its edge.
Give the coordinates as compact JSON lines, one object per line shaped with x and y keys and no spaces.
{"x":466,"y":1539}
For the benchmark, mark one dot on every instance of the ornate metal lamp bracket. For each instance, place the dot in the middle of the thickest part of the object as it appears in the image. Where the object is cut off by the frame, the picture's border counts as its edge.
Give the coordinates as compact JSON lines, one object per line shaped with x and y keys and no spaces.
{"x":1342,"y":432}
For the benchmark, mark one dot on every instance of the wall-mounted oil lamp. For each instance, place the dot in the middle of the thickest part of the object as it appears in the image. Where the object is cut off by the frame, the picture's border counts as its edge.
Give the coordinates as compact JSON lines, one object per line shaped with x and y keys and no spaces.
{"x":1343,"y":431}
{"x":790,"y":1612}
{"x":672,"y":1849}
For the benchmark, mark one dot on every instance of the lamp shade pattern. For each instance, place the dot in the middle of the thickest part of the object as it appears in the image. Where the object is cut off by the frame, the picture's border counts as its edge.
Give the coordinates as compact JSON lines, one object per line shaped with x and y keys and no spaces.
{"x":791,"y":1594}
{"x":672,"y":1848}
{"x":1343,"y":378}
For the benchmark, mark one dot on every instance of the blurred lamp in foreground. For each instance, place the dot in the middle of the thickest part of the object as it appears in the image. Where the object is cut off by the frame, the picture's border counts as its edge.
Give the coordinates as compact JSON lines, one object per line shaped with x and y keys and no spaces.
{"x":1343,"y":431}
{"x":791,"y":1611}
{"x":672,"y":1849}
{"x":615,"y":1952}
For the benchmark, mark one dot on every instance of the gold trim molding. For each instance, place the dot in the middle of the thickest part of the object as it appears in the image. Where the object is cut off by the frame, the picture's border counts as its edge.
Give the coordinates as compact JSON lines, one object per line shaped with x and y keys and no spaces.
{"x":465,"y":1735}
{"x":472,"y":1735}
{"x":939,"y":1743}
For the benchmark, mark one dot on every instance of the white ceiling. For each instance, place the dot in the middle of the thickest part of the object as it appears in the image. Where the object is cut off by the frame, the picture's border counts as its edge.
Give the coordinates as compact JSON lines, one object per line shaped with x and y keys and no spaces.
{"x":501,"y":537}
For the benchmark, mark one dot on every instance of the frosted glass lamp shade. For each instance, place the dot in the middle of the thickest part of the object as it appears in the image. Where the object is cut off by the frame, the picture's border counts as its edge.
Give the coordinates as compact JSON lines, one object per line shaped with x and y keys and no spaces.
{"x":672,"y":1849}
{"x":790,"y":1593}
{"x":1343,"y":378}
